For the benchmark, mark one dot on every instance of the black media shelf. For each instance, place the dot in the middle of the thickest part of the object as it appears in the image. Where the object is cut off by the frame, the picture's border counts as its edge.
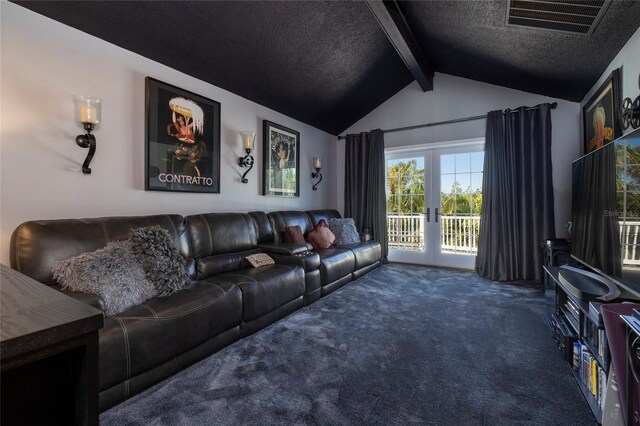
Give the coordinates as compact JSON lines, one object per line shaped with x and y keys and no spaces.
{"x":579,"y":330}
{"x":591,"y":400}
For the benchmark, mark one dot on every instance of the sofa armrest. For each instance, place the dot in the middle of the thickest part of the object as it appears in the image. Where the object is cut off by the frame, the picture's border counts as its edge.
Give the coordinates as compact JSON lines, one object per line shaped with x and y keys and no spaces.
{"x":309,"y":261}
{"x":90,"y":299}
{"x":284,"y":248}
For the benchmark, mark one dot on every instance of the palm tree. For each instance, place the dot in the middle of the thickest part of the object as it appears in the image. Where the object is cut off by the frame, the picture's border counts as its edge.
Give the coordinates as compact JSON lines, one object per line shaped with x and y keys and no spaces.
{"x":405,"y":186}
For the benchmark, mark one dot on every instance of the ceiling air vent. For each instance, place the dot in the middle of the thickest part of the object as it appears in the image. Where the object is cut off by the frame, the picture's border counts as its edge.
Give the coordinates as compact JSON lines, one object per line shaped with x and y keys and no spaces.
{"x":579,"y":16}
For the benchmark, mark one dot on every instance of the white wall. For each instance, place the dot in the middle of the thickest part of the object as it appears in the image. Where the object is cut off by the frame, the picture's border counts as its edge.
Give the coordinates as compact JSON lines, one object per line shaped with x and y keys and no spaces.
{"x":44,"y":63}
{"x":629,"y":59}
{"x":455,"y":97}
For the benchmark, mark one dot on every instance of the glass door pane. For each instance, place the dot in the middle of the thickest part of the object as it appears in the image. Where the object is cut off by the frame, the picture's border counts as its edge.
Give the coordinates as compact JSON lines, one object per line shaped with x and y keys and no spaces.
{"x":406,"y":191}
{"x":460,"y":202}
{"x":419,"y":184}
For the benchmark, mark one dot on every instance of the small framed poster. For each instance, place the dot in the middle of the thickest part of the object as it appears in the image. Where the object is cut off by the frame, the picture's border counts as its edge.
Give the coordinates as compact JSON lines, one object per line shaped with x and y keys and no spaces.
{"x":182,"y":140}
{"x":600,"y":114}
{"x":281,"y":160}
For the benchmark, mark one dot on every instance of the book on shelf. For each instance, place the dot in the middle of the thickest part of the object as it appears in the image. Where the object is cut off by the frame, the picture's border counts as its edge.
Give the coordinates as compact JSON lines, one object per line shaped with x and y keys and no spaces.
{"x":577,"y":355}
{"x":590,"y":373}
{"x":602,"y":387}
{"x":594,"y":378}
{"x":602,"y":343}
{"x":584,"y":368}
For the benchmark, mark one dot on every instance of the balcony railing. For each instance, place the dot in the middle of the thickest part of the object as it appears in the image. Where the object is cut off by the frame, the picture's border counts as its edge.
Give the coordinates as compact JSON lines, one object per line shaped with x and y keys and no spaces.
{"x":459,"y":234}
{"x":406,"y":232}
{"x":629,"y":234}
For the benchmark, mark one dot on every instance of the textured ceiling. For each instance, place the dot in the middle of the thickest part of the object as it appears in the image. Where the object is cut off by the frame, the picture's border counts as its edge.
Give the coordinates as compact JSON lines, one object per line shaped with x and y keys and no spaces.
{"x":470,"y":39}
{"x":328,"y":63}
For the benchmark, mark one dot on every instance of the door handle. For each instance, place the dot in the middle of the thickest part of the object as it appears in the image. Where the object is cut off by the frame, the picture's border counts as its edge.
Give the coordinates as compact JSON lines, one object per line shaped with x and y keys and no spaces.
{"x":428,"y":213}
{"x":435,"y":216}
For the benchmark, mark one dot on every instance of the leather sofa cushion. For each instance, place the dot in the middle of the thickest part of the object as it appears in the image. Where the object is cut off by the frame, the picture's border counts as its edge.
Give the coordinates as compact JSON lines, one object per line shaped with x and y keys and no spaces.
{"x":263,"y":227}
{"x":366,"y":253}
{"x":37,"y":245}
{"x":266,"y":288}
{"x":282,"y":219}
{"x":316,"y":215}
{"x":149,"y":334}
{"x":285,"y":248}
{"x":335,"y":263}
{"x":309,"y":261}
{"x":220,"y":242}
{"x":221,"y":263}
{"x":221,"y":233}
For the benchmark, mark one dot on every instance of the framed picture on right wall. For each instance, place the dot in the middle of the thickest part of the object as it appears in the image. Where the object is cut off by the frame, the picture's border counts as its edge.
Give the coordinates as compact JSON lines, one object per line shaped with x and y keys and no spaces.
{"x":281,"y":160}
{"x":600,"y":114}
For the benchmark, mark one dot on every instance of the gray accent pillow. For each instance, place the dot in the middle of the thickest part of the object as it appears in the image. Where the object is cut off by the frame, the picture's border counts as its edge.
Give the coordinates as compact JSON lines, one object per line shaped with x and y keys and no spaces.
{"x":159,"y":257}
{"x":345,"y":231}
{"x":112,"y":272}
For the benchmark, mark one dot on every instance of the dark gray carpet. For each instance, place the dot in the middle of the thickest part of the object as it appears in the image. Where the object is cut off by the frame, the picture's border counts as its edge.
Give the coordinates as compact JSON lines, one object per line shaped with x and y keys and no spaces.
{"x":402,"y":345}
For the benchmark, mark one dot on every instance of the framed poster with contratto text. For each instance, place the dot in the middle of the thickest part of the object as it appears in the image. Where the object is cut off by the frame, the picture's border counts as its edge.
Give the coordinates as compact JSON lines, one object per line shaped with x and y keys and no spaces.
{"x":182,"y":140}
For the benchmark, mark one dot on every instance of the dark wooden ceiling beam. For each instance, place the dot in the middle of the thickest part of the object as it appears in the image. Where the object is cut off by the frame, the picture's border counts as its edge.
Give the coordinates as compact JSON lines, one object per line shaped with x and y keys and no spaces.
{"x":395,"y":25}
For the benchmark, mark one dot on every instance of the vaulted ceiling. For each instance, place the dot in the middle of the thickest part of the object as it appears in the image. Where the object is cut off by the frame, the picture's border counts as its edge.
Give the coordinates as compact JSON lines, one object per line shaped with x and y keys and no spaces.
{"x":328,"y":64}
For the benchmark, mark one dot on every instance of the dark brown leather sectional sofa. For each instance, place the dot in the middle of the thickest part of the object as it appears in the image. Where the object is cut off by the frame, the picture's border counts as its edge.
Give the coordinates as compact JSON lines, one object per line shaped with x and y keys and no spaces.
{"x":151,"y":341}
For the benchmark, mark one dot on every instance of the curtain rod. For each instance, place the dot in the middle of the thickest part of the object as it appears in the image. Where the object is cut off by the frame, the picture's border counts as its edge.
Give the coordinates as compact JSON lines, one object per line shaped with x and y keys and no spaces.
{"x":457,"y":120}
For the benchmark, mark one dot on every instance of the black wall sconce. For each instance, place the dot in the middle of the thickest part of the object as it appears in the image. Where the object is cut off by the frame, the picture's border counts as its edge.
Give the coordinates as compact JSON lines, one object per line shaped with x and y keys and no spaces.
{"x":88,"y":115}
{"x":248,"y":139}
{"x":317,"y":164}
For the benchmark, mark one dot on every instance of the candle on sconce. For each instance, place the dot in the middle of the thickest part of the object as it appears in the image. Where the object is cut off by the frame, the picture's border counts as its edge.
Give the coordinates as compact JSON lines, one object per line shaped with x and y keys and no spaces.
{"x":317,"y":162}
{"x":248,"y":139}
{"x":87,"y":109}
{"x":88,"y":114}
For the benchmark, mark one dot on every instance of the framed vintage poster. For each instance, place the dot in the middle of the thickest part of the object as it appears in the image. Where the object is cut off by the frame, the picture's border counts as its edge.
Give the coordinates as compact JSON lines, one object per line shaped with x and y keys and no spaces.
{"x":281,"y":160}
{"x":600,"y":114}
{"x":182,"y":140}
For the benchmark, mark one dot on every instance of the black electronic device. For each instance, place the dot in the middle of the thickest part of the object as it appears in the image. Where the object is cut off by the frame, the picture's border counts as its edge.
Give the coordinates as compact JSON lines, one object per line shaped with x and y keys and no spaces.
{"x":587,"y":286}
{"x":606,"y":212}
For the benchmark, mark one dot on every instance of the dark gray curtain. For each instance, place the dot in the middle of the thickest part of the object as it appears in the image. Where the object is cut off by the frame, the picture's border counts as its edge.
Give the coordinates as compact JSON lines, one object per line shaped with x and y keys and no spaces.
{"x":364,"y":194}
{"x":517,"y":195}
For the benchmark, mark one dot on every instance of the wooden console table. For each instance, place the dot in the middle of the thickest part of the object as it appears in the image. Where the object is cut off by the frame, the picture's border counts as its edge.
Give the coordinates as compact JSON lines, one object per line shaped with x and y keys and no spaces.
{"x":48,"y":354}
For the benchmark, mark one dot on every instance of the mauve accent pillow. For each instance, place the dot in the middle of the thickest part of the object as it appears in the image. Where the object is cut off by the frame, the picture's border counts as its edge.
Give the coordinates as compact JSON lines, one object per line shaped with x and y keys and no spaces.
{"x":345,"y":231}
{"x":159,"y":257}
{"x":293,"y":234}
{"x":112,"y":272}
{"x":321,"y":237}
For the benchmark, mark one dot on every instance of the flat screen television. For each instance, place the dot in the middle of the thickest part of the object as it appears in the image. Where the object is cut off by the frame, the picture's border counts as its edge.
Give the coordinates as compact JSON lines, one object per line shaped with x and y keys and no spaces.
{"x":605,"y":212}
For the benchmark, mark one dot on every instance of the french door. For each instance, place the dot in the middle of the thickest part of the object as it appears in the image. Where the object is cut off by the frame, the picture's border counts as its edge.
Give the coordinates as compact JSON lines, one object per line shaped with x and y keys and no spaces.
{"x":434,"y":199}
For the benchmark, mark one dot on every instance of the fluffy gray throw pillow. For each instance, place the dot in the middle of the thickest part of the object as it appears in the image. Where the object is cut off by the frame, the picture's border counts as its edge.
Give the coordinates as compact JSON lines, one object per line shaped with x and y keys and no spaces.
{"x":112,"y":272}
{"x":345,"y":231}
{"x":162,"y":264}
